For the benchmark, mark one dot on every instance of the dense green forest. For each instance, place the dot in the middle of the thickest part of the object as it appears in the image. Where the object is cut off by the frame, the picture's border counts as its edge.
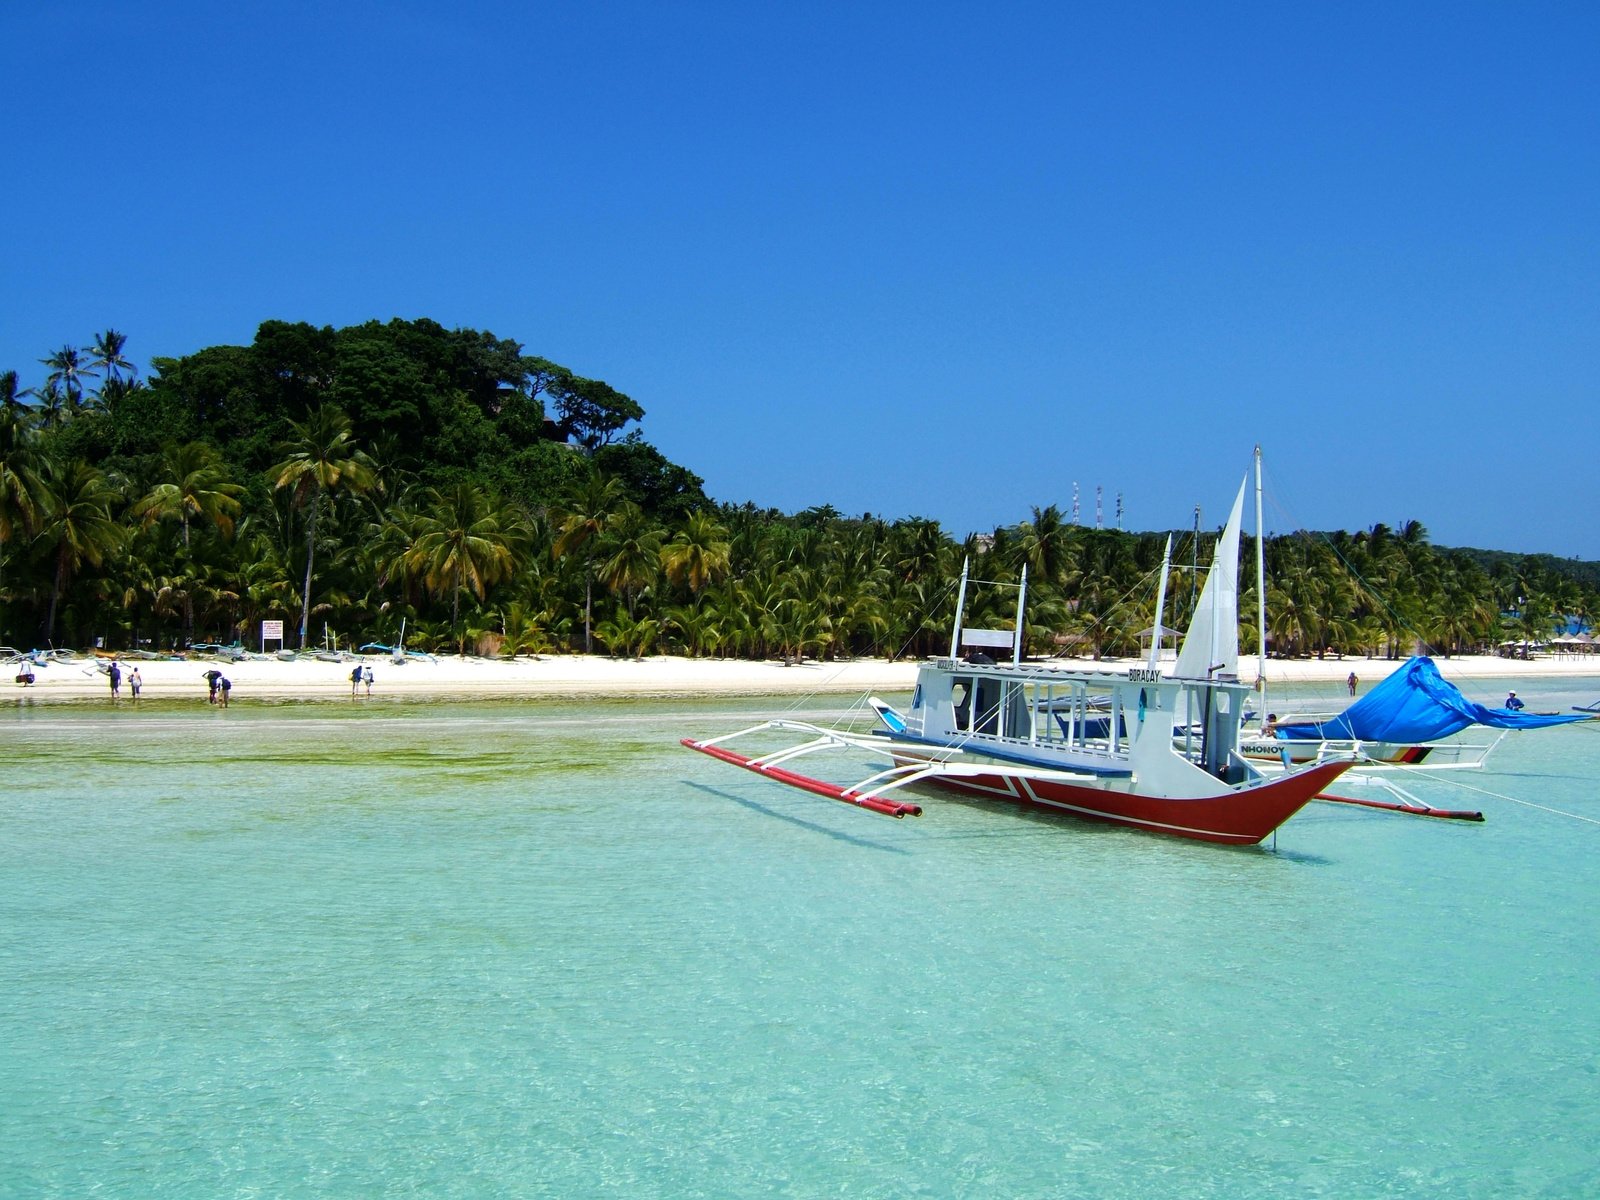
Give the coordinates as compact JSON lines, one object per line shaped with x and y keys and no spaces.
{"x":347,"y":480}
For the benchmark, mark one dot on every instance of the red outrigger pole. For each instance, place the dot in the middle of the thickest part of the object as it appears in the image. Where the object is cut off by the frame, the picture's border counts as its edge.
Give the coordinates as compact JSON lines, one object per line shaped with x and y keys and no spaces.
{"x":1415,"y":810}
{"x":889,"y":808}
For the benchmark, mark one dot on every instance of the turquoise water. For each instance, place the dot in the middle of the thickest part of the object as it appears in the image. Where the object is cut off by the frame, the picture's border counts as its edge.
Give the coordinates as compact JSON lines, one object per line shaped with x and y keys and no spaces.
{"x":536,"y":950}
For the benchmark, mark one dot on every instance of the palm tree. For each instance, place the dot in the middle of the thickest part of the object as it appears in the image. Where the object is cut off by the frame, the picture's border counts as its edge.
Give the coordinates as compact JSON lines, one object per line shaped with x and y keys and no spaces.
{"x":194,"y":484}
{"x":632,"y":549}
{"x":580,"y":525}
{"x":10,"y":398}
{"x":23,"y":496}
{"x":1045,"y":544}
{"x":68,"y":371}
{"x":22,"y":492}
{"x":699,"y":552}
{"x":51,"y":403}
{"x":464,"y":541}
{"x":522,"y":630}
{"x":78,"y":525}
{"x":322,"y":458}
{"x":626,"y":637}
{"x":108,"y":356}
{"x":1535,"y":621}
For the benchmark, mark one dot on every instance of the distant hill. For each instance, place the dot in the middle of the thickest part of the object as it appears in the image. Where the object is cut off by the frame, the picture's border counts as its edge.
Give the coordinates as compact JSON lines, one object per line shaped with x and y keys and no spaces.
{"x":1582,"y":571}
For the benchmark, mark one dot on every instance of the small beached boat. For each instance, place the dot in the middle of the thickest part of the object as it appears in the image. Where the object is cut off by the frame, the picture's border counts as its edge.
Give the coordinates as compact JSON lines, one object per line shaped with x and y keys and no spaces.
{"x":1137,"y":748}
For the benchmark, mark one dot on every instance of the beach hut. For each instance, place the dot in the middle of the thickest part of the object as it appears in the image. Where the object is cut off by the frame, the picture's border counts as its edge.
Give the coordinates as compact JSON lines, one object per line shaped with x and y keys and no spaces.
{"x":1147,"y":636}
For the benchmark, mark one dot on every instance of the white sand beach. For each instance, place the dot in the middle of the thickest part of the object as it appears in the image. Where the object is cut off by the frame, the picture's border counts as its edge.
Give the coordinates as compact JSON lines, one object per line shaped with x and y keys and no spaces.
{"x":458,"y":678}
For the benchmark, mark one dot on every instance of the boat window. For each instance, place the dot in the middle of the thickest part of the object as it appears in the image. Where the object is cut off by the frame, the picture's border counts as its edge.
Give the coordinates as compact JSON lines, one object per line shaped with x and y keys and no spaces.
{"x":960,"y":695}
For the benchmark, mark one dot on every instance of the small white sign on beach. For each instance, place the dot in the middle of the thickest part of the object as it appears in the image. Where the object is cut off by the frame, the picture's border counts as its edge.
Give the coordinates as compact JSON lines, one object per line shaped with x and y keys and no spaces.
{"x":271,"y":631}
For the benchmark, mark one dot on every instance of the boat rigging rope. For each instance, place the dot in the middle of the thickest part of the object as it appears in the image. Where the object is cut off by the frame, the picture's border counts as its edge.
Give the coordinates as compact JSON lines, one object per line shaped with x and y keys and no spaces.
{"x":860,"y":703}
{"x":1560,"y":812}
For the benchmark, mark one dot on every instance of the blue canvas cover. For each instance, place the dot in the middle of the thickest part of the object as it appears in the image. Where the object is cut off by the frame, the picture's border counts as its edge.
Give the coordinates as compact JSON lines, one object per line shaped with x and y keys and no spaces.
{"x":1415,"y":704}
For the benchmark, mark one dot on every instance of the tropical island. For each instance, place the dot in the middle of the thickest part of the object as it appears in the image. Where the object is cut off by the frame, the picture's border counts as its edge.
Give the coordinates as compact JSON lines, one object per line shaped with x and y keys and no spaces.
{"x":382,"y":479}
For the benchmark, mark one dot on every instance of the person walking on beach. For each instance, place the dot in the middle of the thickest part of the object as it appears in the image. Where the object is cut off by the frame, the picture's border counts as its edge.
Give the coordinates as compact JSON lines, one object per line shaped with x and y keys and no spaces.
{"x":223,"y":688}
{"x":211,"y":680}
{"x":355,"y":679}
{"x":116,"y":679}
{"x":134,"y":683}
{"x":1351,"y":683}
{"x":366,"y":677}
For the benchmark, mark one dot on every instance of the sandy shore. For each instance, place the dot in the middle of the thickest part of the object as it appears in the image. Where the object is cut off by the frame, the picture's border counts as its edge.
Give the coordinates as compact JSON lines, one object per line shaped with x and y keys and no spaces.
{"x":453,"y":678}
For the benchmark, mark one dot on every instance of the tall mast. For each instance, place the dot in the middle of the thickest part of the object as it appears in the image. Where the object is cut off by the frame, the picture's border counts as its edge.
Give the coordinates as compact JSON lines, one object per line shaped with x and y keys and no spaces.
{"x":1261,"y":595}
{"x":1022,"y":605}
{"x":1161,"y":602}
{"x":1194,"y":560}
{"x":961,"y":604}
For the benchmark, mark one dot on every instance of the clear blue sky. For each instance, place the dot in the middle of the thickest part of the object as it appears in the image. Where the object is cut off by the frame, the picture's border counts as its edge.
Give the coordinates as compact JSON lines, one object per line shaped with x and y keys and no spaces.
{"x":917,"y":259}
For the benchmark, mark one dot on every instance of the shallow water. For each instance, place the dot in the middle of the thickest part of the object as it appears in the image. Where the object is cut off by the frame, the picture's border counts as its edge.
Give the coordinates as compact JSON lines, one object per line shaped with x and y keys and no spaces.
{"x":536,"y":949}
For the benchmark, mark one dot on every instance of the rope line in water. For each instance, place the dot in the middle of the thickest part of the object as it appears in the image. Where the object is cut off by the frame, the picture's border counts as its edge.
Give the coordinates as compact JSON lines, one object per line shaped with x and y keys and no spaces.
{"x":1560,"y":812}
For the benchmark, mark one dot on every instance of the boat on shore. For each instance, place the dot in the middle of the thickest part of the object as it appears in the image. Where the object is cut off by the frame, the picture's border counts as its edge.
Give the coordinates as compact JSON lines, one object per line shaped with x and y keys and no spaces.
{"x":1140,"y":748}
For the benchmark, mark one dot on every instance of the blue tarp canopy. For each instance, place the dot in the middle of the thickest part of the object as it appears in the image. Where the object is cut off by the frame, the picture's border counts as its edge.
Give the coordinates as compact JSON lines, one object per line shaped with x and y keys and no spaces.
{"x":1415,"y":704}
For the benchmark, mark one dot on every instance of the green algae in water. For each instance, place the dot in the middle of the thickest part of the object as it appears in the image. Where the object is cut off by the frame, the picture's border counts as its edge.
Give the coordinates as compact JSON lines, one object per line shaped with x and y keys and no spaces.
{"x":543,"y":950}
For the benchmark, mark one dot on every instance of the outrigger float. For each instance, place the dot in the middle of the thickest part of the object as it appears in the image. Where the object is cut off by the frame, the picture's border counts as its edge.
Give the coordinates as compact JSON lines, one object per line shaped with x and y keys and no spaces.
{"x":1137,"y":748}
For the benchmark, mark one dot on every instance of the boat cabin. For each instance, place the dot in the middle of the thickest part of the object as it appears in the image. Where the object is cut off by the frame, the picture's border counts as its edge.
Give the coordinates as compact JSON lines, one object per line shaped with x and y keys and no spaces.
{"x":1075,"y":719}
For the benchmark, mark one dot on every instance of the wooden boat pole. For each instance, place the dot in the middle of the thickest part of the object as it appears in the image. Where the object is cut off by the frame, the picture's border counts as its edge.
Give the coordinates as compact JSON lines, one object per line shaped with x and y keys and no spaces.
{"x":1415,"y":810}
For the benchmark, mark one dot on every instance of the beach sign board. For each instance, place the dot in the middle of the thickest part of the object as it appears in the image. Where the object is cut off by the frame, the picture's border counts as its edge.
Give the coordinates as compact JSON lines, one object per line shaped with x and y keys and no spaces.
{"x":271,"y":630}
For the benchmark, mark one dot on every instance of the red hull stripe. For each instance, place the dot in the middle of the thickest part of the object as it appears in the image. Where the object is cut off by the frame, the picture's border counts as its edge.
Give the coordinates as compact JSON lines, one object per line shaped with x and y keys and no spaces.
{"x":1236,"y":817}
{"x":1241,"y":817}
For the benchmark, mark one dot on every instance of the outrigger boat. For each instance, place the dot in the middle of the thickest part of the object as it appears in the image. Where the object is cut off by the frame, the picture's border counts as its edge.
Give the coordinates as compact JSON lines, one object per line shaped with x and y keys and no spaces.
{"x":1137,"y":748}
{"x":1399,"y":723}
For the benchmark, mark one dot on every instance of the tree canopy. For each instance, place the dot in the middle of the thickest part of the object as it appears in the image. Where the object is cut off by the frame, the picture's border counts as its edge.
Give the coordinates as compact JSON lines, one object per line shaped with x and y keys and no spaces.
{"x":352,"y":480}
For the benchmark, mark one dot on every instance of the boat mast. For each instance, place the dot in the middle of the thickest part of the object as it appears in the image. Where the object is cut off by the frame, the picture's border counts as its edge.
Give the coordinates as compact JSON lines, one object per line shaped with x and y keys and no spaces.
{"x":961,"y":603}
{"x":1261,"y":596}
{"x":1022,"y":602}
{"x":1161,"y":602}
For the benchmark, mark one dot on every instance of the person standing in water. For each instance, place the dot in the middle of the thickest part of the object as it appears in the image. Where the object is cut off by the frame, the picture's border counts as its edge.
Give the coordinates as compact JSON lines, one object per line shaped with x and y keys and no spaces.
{"x":116,"y":679}
{"x":134,"y":684}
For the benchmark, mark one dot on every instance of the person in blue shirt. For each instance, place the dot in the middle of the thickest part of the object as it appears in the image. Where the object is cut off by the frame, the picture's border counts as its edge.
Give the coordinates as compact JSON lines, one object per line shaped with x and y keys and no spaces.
{"x":1513,"y":703}
{"x":1270,"y":729}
